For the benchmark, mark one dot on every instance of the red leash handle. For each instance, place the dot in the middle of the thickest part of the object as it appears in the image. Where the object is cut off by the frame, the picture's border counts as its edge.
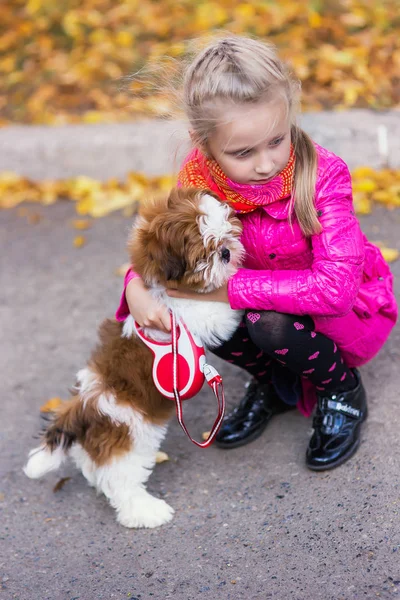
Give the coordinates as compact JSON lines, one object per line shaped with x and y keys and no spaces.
{"x":213,"y":379}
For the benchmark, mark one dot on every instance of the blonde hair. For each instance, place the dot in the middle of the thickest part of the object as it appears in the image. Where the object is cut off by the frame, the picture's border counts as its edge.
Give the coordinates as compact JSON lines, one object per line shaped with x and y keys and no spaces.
{"x":242,"y":70}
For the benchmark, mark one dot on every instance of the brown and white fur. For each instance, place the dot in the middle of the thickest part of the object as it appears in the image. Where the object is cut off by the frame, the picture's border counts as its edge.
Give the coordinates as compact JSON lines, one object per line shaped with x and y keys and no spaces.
{"x":113,"y":427}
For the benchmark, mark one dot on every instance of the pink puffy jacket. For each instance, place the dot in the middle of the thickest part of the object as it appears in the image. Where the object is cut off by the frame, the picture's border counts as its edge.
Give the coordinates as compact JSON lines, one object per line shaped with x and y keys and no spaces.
{"x":337,"y":277}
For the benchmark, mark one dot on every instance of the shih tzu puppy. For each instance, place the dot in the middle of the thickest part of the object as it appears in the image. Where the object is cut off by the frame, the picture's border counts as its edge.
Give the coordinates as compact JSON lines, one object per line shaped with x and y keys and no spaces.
{"x":115,"y":422}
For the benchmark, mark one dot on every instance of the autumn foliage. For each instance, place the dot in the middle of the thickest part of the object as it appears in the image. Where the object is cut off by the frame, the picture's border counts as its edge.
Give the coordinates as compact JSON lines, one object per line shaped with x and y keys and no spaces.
{"x":68,"y":60}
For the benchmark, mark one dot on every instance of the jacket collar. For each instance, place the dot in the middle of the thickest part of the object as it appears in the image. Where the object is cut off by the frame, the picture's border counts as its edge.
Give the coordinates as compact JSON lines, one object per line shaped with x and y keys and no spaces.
{"x":278,"y":210}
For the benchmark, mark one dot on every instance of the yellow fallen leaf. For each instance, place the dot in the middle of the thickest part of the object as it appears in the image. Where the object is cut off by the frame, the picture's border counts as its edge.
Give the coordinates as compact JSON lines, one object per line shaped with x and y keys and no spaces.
{"x":314,"y":19}
{"x":81,"y":224}
{"x":79,"y":241}
{"x":361,"y":172}
{"x":82,"y":185}
{"x":133,"y":178}
{"x":362,"y":204}
{"x":365,"y":184}
{"x":390,"y":254}
{"x":124,"y":38}
{"x":9,"y":178}
{"x":51,"y":405}
{"x":85,"y":206}
{"x":164,"y":182}
{"x":382,"y":196}
{"x":205,"y":435}
{"x":115,"y":200}
{"x":161,"y":457}
{"x":93,"y":116}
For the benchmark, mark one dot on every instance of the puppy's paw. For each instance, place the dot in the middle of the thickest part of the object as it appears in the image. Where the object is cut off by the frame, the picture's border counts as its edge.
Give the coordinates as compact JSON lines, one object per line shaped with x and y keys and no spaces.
{"x":145,"y":512}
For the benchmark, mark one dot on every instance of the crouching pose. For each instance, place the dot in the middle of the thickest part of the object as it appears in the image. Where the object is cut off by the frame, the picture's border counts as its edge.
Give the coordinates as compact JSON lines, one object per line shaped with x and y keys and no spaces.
{"x":318,"y":295}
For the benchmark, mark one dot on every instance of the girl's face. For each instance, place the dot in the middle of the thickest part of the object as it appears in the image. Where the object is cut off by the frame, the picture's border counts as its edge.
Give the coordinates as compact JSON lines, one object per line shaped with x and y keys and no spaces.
{"x":252,"y":142}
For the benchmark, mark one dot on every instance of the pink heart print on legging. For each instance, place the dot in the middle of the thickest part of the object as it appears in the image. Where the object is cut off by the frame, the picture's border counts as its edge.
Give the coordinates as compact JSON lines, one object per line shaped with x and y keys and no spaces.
{"x":253,"y":317}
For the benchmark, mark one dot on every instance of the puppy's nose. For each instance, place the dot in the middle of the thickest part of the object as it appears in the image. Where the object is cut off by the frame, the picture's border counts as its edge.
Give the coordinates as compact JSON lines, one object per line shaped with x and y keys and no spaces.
{"x":225,"y":255}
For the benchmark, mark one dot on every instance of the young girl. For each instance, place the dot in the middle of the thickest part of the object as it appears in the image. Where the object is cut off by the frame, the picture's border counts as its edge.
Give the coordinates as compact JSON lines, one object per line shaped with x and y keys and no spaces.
{"x":318,"y":295}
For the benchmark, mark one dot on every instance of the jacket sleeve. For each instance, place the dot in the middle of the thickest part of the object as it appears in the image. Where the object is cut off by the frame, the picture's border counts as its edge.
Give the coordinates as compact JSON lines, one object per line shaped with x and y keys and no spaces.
{"x":330,"y":286}
{"x":123,"y":309}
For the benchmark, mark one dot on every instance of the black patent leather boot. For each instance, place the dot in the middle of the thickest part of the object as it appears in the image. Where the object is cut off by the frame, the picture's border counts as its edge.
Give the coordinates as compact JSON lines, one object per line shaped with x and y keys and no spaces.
{"x":337,"y":424}
{"x":247,"y":422}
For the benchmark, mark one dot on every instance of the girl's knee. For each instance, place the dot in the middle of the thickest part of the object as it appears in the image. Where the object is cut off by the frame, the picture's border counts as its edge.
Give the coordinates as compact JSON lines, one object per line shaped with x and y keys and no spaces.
{"x":272,"y":329}
{"x":265,"y":326}
{"x":257,"y":319}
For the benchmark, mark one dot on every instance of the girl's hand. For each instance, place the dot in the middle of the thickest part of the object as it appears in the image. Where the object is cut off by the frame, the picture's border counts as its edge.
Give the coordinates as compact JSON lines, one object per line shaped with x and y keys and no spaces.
{"x":219,"y":295}
{"x":144,"y":308}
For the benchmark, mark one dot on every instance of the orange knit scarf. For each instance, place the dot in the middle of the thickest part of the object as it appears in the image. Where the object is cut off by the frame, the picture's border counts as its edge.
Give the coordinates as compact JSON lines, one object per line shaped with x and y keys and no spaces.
{"x":203,"y":173}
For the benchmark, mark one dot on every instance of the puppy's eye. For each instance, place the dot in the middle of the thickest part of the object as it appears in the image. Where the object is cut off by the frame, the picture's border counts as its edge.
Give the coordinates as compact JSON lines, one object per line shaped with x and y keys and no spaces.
{"x":225,"y":255}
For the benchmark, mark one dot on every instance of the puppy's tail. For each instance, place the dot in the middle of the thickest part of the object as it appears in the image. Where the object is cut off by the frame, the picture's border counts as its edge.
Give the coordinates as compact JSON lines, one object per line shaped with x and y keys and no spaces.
{"x":66,"y":428}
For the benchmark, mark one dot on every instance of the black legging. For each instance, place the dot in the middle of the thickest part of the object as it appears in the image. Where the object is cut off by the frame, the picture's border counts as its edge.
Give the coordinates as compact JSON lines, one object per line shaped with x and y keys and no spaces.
{"x":267,"y":336}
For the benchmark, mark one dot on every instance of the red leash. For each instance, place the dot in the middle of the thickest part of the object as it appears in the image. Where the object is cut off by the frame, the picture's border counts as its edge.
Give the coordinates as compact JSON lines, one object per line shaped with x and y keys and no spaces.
{"x":213,"y":379}
{"x":185,"y":359}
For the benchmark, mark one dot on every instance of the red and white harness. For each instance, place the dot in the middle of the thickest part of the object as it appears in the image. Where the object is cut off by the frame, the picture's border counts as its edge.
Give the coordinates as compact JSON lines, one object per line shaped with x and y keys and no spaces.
{"x":179,"y":371}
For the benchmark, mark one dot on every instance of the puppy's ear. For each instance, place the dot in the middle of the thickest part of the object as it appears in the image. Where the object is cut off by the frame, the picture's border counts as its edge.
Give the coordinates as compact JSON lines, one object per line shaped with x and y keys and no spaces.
{"x":174,"y":268}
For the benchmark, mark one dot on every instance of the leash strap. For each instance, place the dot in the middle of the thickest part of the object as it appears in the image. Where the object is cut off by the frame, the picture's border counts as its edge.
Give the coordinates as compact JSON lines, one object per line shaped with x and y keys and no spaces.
{"x":213,"y":379}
